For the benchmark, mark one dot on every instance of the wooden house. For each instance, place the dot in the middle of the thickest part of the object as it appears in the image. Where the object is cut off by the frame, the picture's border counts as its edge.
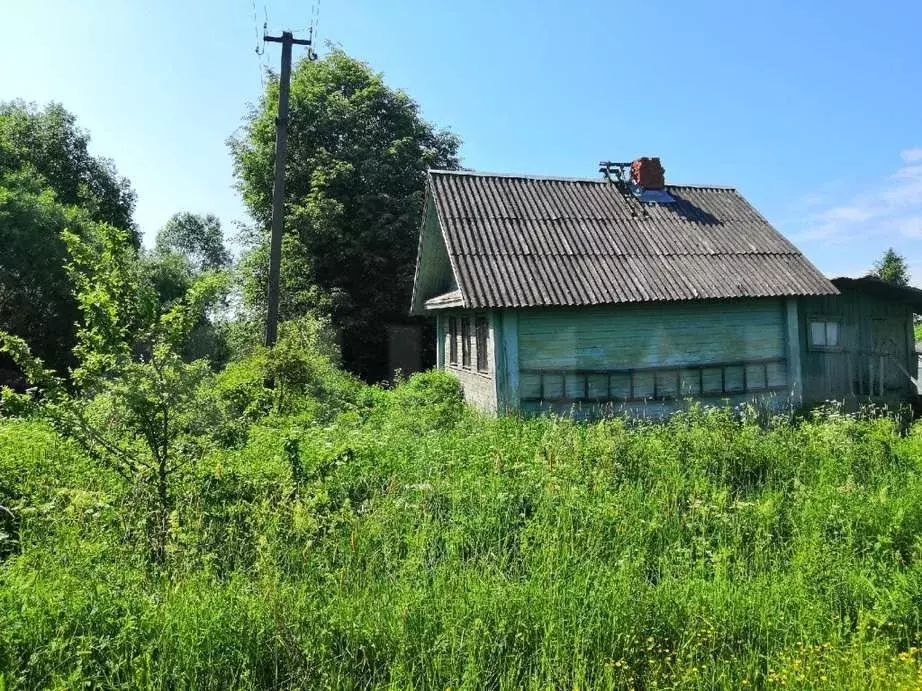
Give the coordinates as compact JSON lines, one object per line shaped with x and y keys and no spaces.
{"x":600,"y":295}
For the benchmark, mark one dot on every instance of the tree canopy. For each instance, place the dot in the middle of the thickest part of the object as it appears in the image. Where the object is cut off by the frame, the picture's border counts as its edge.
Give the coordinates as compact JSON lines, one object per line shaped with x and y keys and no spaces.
{"x":358,"y":151}
{"x":49,"y":143}
{"x":49,"y":183}
{"x":188,"y":246}
{"x":892,"y":267}
{"x":196,"y":237}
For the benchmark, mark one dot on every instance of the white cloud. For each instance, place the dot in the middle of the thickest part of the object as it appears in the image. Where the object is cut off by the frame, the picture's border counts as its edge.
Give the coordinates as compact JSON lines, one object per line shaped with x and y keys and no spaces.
{"x":847,"y":213}
{"x":892,"y":206}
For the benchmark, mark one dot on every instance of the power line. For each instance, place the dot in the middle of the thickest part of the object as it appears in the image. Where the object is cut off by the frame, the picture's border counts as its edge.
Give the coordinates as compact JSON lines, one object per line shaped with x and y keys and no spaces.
{"x":315,"y":27}
{"x":260,"y":48}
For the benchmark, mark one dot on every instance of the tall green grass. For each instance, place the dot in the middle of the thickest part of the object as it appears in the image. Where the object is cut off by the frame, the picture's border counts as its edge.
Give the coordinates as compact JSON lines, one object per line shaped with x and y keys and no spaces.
{"x":416,"y":544}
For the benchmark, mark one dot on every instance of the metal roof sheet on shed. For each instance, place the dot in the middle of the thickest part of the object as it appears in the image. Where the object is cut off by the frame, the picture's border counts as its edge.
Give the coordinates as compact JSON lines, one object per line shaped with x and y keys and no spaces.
{"x":528,"y":241}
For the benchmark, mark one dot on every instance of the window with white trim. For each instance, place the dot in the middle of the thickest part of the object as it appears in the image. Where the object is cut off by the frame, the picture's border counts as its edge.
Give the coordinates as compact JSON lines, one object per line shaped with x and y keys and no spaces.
{"x":825,"y":334}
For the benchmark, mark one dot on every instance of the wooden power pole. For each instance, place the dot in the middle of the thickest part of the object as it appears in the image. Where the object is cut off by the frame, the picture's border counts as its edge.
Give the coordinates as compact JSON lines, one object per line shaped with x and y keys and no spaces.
{"x":287,"y":40}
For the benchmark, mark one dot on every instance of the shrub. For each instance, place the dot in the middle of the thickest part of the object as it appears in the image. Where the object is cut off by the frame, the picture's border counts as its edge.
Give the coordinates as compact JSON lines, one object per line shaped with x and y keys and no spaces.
{"x":426,"y":401}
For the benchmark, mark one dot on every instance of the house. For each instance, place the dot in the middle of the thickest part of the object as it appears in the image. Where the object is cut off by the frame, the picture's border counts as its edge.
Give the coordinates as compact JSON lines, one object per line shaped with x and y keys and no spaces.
{"x":599,"y":295}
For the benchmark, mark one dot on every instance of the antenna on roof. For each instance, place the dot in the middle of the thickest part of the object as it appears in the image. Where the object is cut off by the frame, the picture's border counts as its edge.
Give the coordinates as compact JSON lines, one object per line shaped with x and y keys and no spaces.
{"x":643,"y":179}
{"x":618,"y":172}
{"x":619,"y":169}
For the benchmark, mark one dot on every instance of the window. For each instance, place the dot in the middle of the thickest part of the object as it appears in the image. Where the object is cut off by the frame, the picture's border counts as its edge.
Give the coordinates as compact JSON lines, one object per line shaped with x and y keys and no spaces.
{"x":481,"y":332}
{"x":452,"y":340}
{"x":465,"y":343}
{"x":824,"y":334}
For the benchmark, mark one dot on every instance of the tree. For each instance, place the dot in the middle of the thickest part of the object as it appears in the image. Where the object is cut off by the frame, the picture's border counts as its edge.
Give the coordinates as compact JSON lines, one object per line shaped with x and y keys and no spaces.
{"x":133,"y":403}
{"x":188,"y":246}
{"x":197,"y":238}
{"x":892,"y":268}
{"x":35,"y":292}
{"x":358,"y":151}
{"x":50,"y":143}
{"x":49,"y":182}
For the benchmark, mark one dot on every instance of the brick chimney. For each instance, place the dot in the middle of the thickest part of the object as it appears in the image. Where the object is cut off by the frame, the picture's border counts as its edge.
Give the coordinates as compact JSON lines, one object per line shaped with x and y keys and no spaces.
{"x":648,"y":173}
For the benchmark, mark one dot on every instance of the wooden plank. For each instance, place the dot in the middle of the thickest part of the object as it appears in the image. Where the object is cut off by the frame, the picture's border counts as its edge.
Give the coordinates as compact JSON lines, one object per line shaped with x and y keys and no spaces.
{"x":882,"y":375}
{"x":627,"y":336}
{"x":510,"y":336}
{"x":440,"y":340}
{"x":793,"y":350}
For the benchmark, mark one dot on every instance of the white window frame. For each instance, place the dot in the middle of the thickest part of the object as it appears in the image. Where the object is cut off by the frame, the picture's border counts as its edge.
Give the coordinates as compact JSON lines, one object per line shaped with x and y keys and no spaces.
{"x":826,"y":322}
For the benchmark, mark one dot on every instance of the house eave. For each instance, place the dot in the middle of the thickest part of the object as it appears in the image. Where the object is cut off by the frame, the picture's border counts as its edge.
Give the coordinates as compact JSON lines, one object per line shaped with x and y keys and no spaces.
{"x":445,"y":301}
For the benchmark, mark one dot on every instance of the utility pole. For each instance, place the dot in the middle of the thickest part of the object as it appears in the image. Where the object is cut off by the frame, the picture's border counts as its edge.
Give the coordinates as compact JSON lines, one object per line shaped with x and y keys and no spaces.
{"x":287,"y":40}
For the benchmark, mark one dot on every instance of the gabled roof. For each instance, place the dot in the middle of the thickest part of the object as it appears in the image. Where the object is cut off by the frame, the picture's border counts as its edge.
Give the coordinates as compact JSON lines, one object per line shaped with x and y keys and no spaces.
{"x":516,"y":241}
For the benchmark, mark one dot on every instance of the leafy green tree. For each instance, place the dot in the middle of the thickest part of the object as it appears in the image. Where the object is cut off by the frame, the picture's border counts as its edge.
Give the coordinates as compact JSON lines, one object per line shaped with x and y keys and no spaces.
{"x":197,"y":238}
{"x":35,"y":299}
{"x":892,"y":268}
{"x":136,"y":405}
{"x":49,"y":142}
{"x":357,"y":155}
{"x":49,"y":182}
{"x":185,"y":248}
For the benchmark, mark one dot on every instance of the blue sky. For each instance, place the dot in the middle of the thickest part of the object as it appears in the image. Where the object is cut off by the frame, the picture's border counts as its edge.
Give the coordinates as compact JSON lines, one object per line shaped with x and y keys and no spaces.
{"x":812,"y":110}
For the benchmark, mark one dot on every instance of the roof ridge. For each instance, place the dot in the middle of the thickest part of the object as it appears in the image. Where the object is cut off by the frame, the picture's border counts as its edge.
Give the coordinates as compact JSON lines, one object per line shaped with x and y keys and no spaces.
{"x":629,"y":254}
{"x":561,"y":178}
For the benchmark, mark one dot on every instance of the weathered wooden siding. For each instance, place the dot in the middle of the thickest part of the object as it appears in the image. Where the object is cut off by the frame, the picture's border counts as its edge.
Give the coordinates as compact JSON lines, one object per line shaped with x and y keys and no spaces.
{"x":434,"y":275}
{"x":479,"y":387}
{"x":876,"y":336}
{"x":680,"y":338}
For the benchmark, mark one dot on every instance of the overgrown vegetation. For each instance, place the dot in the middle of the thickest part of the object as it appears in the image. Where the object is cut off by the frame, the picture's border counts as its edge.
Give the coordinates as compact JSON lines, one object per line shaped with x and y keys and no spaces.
{"x":351,"y":536}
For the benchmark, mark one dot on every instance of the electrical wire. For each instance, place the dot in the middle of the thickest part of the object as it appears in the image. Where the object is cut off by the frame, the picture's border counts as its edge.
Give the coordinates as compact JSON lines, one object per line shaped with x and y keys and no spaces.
{"x":259,"y":49}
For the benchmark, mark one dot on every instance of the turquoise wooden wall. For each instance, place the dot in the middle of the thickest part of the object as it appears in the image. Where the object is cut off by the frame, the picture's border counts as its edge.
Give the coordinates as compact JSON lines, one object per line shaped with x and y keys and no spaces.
{"x":645,"y":335}
{"x":876,"y":336}
{"x":638,"y":336}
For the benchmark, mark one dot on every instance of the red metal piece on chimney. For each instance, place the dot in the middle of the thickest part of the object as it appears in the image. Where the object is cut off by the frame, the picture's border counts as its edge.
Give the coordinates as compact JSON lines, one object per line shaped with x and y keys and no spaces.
{"x":648,"y":173}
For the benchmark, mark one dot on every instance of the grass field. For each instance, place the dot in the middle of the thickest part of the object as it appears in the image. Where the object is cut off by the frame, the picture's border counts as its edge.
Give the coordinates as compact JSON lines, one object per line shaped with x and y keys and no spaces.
{"x":416,"y":544}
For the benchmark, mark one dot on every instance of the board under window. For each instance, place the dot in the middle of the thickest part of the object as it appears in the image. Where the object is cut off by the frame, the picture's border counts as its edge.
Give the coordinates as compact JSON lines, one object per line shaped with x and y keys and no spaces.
{"x":453,"y":340}
{"x":824,"y":334}
{"x":465,"y":343}
{"x":480,"y":333}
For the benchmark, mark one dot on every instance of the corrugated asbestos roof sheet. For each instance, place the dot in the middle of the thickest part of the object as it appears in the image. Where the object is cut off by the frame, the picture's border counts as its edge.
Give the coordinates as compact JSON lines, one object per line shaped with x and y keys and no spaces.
{"x":527,"y":241}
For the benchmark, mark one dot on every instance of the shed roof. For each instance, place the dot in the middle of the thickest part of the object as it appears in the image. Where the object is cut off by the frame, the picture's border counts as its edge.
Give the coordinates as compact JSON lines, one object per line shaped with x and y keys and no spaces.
{"x":872,"y":285}
{"x":517,"y":241}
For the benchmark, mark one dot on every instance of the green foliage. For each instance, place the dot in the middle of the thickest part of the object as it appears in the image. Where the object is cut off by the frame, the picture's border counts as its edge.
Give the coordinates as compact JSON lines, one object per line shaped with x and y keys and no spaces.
{"x":35,"y":293}
{"x":428,"y":400}
{"x":298,"y":377}
{"x":358,"y":152}
{"x":196,"y":238}
{"x":892,"y":268}
{"x":139,"y":410}
{"x":186,"y":248}
{"x":705,"y":552}
{"x":49,"y":144}
{"x":49,"y":183}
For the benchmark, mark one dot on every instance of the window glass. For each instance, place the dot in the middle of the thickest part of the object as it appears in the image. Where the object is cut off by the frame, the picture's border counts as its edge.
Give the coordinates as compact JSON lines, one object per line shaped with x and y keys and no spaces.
{"x":453,"y":340}
{"x":480,"y":331}
{"x":824,"y":333}
{"x":465,"y":342}
{"x":818,"y":333}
